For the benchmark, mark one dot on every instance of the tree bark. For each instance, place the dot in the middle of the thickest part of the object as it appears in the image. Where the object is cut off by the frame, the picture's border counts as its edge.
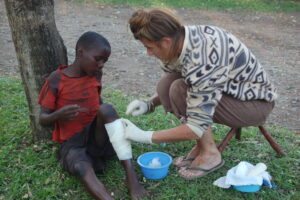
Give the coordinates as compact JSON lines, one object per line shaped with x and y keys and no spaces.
{"x":39,"y":48}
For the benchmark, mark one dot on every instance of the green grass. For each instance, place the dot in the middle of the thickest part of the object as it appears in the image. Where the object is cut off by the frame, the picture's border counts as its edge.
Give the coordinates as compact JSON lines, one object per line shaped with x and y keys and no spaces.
{"x":31,"y":171}
{"x":252,"y":5}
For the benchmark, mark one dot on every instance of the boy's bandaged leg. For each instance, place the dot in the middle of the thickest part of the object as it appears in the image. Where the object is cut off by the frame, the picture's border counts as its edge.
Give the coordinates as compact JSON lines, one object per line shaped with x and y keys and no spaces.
{"x":122,"y":146}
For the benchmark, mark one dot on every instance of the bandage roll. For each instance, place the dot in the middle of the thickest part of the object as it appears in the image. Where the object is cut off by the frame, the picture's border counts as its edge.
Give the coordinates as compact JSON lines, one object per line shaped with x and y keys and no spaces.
{"x":122,"y":146}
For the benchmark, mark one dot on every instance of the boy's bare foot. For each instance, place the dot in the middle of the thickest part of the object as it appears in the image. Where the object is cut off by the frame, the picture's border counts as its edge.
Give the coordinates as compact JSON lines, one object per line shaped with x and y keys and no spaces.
{"x":137,"y":191}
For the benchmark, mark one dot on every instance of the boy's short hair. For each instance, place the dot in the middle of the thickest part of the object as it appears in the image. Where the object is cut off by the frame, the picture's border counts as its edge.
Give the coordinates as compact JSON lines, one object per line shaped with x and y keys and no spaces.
{"x":91,"y":39}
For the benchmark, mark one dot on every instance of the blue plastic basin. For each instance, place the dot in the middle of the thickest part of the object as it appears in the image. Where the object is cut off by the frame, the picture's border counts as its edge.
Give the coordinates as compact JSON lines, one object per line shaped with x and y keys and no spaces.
{"x":154,"y":172}
{"x":247,"y":188}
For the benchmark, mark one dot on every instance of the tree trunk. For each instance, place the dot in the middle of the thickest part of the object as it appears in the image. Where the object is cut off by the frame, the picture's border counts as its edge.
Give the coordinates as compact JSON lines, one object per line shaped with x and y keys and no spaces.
{"x":39,"y":48}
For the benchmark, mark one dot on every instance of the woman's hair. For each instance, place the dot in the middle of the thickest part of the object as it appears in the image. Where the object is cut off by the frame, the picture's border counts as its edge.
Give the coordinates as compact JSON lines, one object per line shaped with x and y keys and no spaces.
{"x":155,"y":24}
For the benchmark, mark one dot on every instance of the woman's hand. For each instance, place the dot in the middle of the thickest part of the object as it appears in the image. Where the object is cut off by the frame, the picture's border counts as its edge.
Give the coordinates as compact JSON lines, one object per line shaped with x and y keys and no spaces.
{"x":137,"y":107}
{"x":132,"y":132}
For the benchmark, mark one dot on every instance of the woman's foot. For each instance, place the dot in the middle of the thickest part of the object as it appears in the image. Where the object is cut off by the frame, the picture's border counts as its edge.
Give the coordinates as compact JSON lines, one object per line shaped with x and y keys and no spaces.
{"x":202,"y":165}
{"x":183,"y":161}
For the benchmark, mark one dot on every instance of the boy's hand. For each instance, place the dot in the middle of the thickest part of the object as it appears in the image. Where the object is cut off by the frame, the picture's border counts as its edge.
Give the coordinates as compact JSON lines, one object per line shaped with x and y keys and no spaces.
{"x":68,"y":113}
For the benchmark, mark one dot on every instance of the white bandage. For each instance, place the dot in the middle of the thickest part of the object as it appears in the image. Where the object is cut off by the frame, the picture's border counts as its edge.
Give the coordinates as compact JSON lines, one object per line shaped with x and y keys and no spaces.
{"x":137,"y":107}
{"x":132,"y":132}
{"x":116,"y":134}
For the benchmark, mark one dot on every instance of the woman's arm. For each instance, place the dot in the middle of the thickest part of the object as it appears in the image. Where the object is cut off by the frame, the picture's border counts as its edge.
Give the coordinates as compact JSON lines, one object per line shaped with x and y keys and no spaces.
{"x":179,"y":133}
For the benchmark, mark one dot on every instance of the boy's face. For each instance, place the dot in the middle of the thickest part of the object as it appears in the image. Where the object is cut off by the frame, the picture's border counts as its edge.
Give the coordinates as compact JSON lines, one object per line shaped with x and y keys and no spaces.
{"x":92,"y":61}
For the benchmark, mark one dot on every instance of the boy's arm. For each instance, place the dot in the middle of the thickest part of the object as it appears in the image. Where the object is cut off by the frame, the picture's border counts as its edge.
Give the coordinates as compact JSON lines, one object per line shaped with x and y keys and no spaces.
{"x":67,"y":113}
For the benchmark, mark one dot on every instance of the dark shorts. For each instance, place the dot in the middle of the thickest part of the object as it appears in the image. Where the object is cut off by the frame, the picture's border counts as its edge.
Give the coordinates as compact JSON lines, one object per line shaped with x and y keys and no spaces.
{"x":82,"y":147}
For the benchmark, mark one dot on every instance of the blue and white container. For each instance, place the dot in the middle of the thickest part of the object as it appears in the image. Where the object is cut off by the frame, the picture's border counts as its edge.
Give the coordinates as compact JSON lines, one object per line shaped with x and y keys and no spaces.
{"x":157,"y":171}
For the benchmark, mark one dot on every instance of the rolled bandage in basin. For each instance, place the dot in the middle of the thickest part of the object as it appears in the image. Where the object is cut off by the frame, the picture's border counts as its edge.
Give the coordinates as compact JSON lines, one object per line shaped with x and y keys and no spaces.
{"x":122,"y":146}
{"x":155,"y":163}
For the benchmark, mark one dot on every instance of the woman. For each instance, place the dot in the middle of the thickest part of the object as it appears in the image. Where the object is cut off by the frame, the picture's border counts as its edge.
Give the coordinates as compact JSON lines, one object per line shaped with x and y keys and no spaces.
{"x":210,"y":76}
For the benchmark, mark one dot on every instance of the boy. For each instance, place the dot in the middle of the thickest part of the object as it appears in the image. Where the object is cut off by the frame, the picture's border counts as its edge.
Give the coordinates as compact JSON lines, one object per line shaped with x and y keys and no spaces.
{"x":70,"y":100}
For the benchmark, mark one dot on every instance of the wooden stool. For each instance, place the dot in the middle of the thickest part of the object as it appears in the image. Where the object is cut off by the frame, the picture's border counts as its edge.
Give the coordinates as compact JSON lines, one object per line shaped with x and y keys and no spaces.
{"x":238,"y":131}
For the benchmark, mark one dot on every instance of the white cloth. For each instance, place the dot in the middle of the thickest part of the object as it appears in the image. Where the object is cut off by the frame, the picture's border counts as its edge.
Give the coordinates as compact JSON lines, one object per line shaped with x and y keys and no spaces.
{"x":244,"y":174}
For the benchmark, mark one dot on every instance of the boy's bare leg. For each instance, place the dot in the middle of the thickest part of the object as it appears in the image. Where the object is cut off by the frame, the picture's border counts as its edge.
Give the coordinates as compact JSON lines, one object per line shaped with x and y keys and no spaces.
{"x":108,"y":114}
{"x":136,"y":190}
{"x":86,"y":174}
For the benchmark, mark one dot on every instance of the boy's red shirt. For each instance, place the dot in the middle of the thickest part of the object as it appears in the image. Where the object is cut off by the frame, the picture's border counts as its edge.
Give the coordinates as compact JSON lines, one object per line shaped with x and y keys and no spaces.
{"x":60,"y":90}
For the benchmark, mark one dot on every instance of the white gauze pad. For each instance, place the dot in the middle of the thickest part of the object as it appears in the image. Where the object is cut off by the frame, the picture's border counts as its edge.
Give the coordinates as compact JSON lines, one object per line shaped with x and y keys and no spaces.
{"x":122,"y":146}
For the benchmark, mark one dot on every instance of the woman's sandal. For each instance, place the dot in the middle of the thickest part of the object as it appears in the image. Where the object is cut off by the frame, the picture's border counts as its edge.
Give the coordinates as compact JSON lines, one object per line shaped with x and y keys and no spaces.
{"x":206,"y":171}
{"x":182,"y":161}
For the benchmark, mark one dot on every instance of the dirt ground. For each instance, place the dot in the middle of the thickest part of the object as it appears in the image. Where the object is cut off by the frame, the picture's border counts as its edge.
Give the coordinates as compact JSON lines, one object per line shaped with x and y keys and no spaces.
{"x":273,"y":37}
